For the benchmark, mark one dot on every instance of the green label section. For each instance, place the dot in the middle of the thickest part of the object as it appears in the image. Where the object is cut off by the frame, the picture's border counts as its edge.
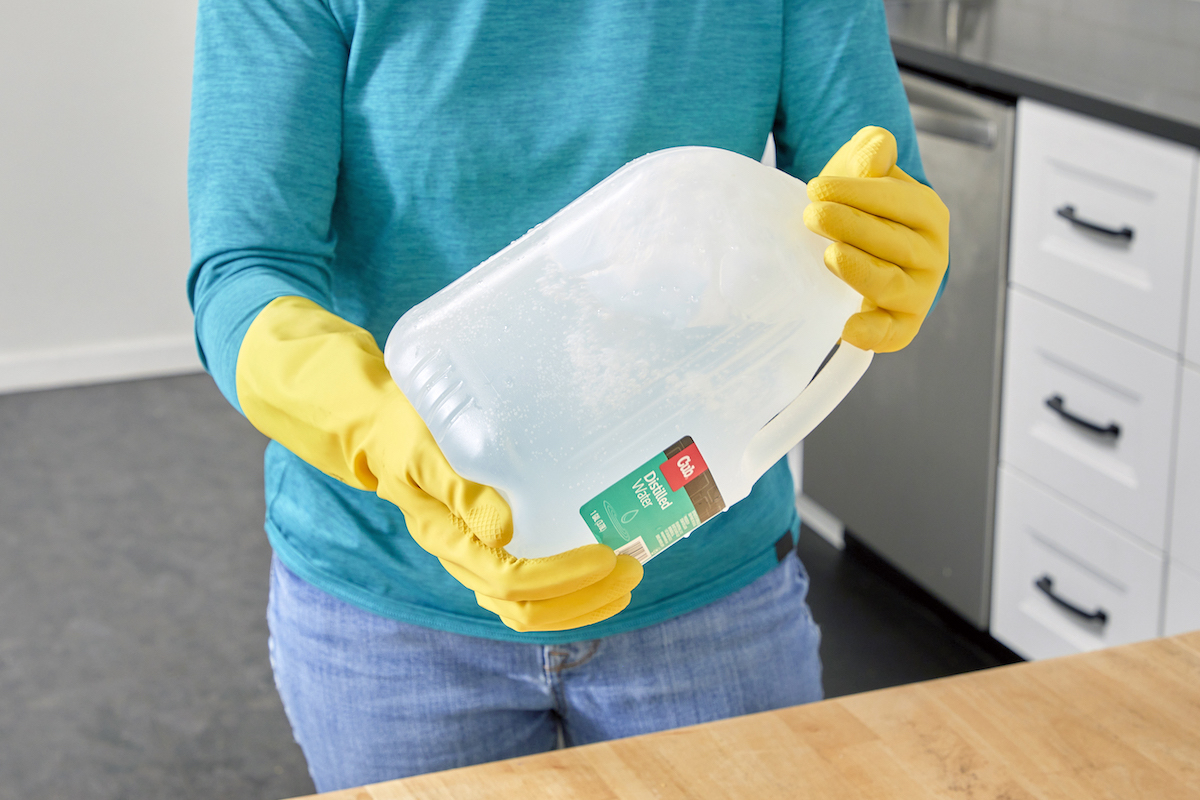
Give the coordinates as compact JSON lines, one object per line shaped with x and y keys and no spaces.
{"x":642,"y":514}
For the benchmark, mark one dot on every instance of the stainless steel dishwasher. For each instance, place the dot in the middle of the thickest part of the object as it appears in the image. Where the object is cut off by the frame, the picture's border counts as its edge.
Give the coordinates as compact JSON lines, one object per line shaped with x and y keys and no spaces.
{"x":908,"y":461}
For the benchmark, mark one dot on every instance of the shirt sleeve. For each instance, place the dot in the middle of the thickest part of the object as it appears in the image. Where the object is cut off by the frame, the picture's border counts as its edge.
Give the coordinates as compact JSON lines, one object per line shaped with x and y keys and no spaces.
{"x":263,"y":158}
{"x":839,"y":75}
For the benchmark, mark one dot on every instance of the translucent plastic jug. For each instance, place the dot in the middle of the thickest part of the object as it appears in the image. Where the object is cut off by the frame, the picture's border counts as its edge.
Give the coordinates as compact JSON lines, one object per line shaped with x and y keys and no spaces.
{"x":629,"y":368}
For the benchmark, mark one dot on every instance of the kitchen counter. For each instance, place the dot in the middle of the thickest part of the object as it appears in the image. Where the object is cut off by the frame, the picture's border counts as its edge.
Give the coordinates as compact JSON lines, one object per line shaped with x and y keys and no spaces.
{"x":1115,"y":723}
{"x":1133,"y":62}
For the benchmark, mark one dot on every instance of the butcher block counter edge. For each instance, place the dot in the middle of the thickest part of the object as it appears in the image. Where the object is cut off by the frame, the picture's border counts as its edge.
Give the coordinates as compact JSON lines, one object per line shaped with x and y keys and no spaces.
{"x":1116,"y":723}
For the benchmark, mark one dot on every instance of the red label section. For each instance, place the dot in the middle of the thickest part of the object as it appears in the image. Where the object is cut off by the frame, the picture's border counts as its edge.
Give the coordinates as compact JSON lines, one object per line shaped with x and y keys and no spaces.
{"x":683,"y":467}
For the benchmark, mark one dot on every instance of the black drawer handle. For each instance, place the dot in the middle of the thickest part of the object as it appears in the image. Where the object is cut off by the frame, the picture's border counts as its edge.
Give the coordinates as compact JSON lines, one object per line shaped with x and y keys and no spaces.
{"x":1059,"y":404}
{"x":1068,"y":213}
{"x":1046,"y":584}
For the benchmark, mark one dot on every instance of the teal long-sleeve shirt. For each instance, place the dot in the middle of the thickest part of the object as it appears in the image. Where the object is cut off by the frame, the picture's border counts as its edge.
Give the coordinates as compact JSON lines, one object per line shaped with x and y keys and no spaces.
{"x":365,"y":153}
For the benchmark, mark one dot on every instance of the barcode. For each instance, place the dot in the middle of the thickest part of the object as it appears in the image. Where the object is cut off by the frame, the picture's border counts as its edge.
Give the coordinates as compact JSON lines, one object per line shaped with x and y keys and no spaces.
{"x":636,"y":548}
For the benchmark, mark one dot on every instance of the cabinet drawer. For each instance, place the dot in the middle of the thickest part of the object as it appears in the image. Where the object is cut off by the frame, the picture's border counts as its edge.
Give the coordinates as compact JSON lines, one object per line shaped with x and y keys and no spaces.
{"x":1062,"y":373}
{"x":1100,"y":219}
{"x":1098,"y":587}
{"x":1182,"y":612}
{"x":1185,"y":519}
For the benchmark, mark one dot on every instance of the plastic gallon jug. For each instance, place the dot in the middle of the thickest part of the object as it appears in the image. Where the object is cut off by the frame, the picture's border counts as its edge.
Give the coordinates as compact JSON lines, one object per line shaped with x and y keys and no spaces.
{"x":629,"y":368}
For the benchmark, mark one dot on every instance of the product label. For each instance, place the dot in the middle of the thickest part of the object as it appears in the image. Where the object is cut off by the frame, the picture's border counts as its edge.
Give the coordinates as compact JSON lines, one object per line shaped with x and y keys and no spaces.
{"x":657,"y":504}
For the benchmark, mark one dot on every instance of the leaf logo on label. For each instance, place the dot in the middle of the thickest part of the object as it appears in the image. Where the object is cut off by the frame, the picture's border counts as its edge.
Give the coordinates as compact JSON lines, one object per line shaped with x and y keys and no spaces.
{"x":612,"y":515}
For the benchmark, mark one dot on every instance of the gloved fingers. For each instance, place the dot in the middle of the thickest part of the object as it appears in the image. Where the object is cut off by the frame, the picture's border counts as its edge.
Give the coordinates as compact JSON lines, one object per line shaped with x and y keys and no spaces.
{"x":591,"y":618}
{"x":881,"y":282}
{"x":890,"y":237}
{"x":880,"y":330}
{"x":483,"y":511}
{"x":583,"y":607}
{"x":496,"y":573}
{"x":900,"y":199}
{"x":882,"y":238}
{"x":870,"y":153}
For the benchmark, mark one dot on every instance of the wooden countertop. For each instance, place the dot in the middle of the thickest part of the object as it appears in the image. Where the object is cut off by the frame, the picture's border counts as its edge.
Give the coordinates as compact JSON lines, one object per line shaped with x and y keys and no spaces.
{"x":1118,"y":723}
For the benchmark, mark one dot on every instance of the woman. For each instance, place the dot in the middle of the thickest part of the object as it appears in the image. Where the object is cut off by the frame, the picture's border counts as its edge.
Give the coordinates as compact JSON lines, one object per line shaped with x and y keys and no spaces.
{"x":351,"y":157}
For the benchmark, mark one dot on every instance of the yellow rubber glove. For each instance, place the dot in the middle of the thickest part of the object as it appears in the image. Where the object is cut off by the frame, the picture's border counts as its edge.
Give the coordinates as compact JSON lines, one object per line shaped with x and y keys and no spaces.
{"x":318,"y":385}
{"x":891,"y":238}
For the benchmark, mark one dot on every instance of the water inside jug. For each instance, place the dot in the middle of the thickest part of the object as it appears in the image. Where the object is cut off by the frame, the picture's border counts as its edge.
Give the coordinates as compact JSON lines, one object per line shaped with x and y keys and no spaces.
{"x":630,"y":367}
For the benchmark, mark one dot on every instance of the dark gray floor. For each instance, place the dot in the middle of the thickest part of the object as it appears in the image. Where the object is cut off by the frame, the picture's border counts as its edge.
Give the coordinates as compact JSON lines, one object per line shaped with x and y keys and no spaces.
{"x":133,"y":659}
{"x":133,"y":568}
{"x":878,"y":629}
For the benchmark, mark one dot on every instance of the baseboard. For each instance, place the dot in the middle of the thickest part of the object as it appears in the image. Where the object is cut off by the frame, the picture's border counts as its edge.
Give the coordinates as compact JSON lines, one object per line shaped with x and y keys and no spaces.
{"x":823,"y":523}
{"x":54,"y":368}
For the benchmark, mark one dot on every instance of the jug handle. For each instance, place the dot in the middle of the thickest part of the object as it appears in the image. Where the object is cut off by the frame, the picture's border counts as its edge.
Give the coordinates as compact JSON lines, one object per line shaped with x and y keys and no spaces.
{"x":813,"y":404}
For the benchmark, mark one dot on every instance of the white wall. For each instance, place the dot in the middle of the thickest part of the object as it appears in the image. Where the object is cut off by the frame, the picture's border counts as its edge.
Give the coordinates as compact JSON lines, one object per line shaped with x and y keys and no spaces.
{"x":93,"y":210}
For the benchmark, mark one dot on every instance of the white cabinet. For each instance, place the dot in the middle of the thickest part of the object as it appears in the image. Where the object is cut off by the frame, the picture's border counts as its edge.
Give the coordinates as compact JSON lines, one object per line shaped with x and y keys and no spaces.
{"x":1099,"y":496}
{"x":1183,"y":601}
{"x":1089,"y":413}
{"x":1185,"y":517}
{"x":1100,"y":219}
{"x":1065,"y":580}
{"x":1191,"y":346}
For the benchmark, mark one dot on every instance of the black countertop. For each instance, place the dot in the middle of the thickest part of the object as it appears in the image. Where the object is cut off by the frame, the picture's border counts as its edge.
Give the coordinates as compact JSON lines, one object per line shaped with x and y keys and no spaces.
{"x":1133,"y":62}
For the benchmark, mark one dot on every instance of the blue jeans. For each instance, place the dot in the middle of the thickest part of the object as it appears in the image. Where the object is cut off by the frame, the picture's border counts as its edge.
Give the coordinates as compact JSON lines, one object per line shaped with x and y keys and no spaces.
{"x":372,"y":699}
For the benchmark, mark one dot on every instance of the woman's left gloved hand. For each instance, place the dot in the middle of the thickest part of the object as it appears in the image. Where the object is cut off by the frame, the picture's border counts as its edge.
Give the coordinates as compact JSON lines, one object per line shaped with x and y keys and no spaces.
{"x":318,"y":385}
{"x":891,"y":238}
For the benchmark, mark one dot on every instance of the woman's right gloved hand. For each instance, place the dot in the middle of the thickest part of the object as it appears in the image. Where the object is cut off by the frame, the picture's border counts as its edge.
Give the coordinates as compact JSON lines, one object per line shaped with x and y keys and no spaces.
{"x":317,"y":384}
{"x":891,"y":239}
